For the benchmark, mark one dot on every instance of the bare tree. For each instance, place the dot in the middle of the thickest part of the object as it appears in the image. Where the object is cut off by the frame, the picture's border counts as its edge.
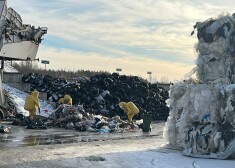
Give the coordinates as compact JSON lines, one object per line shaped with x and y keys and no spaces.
{"x":31,"y":67}
{"x":164,"y":79}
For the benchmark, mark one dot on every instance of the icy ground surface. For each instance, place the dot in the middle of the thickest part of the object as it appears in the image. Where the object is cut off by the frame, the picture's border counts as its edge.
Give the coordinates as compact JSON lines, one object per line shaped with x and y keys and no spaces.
{"x":22,"y":148}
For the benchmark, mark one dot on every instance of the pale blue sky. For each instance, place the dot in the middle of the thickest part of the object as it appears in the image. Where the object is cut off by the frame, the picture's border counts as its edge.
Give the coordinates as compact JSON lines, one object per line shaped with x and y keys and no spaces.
{"x":135,"y":35}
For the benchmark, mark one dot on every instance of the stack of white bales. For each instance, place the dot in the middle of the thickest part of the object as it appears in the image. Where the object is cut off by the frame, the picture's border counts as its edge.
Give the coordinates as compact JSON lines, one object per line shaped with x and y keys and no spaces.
{"x":202,"y":115}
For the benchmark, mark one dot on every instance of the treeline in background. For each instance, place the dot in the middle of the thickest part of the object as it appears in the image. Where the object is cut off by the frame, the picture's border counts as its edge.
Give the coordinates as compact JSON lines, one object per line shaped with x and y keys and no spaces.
{"x":28,"y":67}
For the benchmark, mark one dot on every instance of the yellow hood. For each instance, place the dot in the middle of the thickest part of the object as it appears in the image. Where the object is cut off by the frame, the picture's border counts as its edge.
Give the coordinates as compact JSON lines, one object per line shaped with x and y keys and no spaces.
{"x":66,"y":97}
{"x":35,"y":94}
{"x":122,"y":104}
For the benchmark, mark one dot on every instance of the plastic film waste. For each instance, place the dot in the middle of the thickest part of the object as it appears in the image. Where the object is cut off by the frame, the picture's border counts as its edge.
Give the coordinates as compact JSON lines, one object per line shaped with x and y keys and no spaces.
{"x":202,"y":117}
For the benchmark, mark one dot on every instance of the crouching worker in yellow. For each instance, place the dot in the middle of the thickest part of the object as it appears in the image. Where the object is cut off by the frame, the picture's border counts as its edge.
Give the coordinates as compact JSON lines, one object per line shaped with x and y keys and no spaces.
{"x":66,"y":100}
{"x":130,"y":109}
{"x":31,"y":104}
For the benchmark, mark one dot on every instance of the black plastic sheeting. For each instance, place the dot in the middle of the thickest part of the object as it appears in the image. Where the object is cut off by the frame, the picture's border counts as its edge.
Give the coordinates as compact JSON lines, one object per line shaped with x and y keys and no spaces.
{"x":101,"y":93}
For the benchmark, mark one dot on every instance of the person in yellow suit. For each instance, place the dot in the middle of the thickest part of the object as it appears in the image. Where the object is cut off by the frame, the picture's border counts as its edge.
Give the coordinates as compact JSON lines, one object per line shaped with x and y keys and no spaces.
{"x":130,"y":109}
{"x":32,"y":103}
{"x":66,"y":100}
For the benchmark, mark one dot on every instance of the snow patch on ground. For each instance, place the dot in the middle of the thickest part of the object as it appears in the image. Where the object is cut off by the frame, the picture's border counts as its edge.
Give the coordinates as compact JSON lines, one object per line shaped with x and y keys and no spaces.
{"x":18,"y":97}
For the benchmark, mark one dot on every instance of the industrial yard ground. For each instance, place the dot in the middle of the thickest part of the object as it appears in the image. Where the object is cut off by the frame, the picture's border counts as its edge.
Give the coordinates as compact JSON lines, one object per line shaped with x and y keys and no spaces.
{"x":56,"y":147}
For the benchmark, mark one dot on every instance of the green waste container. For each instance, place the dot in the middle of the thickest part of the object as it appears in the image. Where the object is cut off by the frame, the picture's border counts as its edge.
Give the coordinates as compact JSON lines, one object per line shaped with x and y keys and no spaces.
{"x":147,"y":118}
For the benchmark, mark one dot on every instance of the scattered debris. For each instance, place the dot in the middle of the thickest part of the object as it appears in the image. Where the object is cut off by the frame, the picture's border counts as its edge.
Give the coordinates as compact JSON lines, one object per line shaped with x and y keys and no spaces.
{"x":5,"y":129}
{"x":75,"y":117}
{"x":95,"y":158}
{"x":195,"y":165}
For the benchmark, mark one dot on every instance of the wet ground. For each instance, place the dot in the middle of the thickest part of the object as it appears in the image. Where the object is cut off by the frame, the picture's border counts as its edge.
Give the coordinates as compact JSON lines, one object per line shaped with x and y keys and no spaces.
{"x":20,"y":137}
{"x":58,"y":147}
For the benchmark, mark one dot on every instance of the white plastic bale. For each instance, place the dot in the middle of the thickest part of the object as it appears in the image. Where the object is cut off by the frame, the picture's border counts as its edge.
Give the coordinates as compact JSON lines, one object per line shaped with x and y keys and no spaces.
{"x":214,"y":105}
{"x":191,"y":102}
{"x":211,"y":68}
{"x":218,"y":47}
{"x":221,"y":48}
{"x":169,"y":131}
{"x":215,"y":70}
{"x":202,"y":48}
{"x":197,"y":101}
{"x":219,"y":22}
{"x":176,"y":92}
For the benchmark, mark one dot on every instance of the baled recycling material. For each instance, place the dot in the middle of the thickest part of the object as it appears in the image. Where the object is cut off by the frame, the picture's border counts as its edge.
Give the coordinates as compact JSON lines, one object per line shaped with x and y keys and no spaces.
{"x":202,"y":107}
{"x":102,"y":93}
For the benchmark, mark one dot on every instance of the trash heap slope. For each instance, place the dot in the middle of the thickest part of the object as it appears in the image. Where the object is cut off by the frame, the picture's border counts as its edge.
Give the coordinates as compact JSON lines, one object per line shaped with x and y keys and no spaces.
{"x":101,"y":93}
{"x":202,"y":115}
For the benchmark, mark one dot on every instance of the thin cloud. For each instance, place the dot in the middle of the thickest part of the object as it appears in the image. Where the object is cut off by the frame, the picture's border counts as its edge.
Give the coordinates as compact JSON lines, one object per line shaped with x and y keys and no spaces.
{"x":122,"y":29}
{"x":131,"y":65}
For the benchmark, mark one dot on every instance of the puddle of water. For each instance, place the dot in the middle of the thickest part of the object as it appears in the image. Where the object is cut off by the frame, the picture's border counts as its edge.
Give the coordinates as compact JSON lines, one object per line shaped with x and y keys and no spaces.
{"x":43,"y":138}
{"x":50,"y":139}
{"x":5,"y":138}
{"x":32,"y":140}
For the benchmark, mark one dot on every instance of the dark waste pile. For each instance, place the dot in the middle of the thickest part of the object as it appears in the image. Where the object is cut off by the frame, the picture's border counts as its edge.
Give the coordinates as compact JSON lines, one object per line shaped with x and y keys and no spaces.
{"x":101,"y":93}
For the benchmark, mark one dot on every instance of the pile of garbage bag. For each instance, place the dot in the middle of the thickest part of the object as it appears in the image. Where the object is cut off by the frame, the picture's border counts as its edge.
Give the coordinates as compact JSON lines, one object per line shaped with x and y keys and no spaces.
{"x":101,"y":93}
{"x":202,"y":107}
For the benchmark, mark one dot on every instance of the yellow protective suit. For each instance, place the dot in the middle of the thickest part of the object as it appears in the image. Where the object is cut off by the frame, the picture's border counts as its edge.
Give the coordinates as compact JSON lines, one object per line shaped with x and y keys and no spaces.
{"x":32,"y":103}
{"x":130,"y":109}
{"x":66,"y":100}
